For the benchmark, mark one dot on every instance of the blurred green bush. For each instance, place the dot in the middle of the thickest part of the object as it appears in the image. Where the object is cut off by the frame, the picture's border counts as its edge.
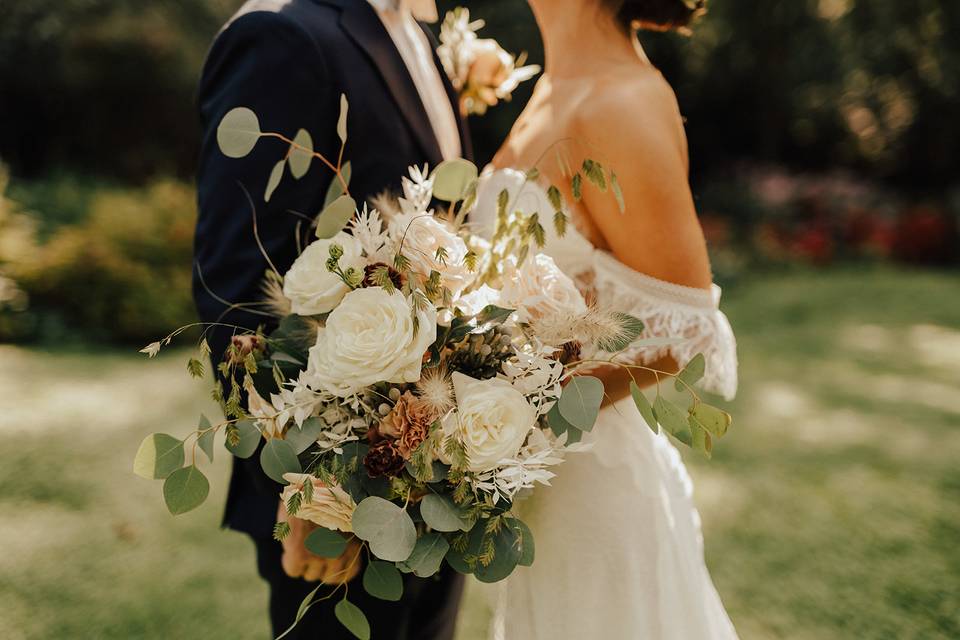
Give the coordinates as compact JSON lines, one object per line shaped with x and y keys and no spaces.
{"x":121,"y":272}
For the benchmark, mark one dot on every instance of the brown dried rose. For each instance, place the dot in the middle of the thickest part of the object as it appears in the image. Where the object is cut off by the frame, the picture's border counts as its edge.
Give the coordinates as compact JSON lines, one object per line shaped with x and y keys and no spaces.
{"x":409,"y":422}
{"x":383,"y":459}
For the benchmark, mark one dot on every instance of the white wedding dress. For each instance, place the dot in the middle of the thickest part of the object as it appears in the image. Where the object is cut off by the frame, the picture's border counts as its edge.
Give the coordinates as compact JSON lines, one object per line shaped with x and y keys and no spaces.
{"x":619,"y":552}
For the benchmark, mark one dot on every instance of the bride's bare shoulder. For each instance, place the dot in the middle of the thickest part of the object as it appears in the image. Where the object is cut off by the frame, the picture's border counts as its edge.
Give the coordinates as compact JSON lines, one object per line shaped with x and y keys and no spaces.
{"x":638,"y":109}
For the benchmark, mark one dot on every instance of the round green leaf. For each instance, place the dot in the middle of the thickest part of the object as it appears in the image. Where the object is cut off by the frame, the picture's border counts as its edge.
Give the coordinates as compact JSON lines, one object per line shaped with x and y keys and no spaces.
{"x":335,"y":190}
{"x":388,"y":528}
{"x":249,"y":440}
{"x":303,"y":437}
{"x":325,"y":543}
{"x":715,"y":421}
{"x":558,"y":425}
{"x":452,"y":179}
{"x":159,"y":455}
{"x":672,"y":419}
{"x":238,"y":132}
{"x":353,"y":619}
{"x":278,"y":458}
{"x":701,"y":440}
{"x":643,"y":406}
{"x":300,"y":158}
{"x":525,"y":537}
{"x":275,"y":176}
{"x":335,"y":217}
{"x":691,"y":373}
{"x":506,"y":556}
{"x":441,"y":514}
{"x":427,"y":555}
{"x":382,"y":580}
{"x":580,"y":402}
{"x":185,"y":489}
{"x":205,"y":439}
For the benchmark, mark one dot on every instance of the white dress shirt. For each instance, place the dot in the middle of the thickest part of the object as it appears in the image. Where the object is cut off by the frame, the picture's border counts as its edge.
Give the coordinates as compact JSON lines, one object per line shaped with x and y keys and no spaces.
{"x":400,"y":19}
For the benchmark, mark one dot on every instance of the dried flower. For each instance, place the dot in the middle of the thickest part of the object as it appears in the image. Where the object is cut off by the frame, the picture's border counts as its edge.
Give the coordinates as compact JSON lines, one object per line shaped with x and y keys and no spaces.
{"x":436,"y":391}
{"x":243,"y":346}
{"x":409,"y":422}
{"x":371,"y":275}
{"x":383,"y":459}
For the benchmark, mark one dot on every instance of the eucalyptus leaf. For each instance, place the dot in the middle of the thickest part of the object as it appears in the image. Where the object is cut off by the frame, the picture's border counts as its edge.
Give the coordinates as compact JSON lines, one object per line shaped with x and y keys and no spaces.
{"x":185,"y":489}
{"x":274,"y":181}
{"x":388,"y":528}
{"x":715,"y":421}
{"x":700,"y":439}
{"x":278,"y":458}
{"x":452,"y":179}
{"x":580,"y":402}
{"x":159,"y":455}
{"x":382,"y":580}
{"x":325,"y":543}
{"x":492,"y":314}
{"x":672,"y":419}
{"x":249,"y":439}
{"x":427,"y":555}
{"x":238,"y":132}
{"x":301,"y":158}
{"x":303,"y":437}
{"x":305,"y":605}
{"x":643,"y":406}
{"x":335,"y":190}
{"x":617,"y":192}
{"x":441,"y":514}
{"x":342,"y":120}
{"x":557,"y":423}
{"x":353,"y":619}
{"x":692,"y":373}
{"x":335,"y":217}
{"x":205,"y":439}
{"x":525,"y":536}
{"x":506,"y":557}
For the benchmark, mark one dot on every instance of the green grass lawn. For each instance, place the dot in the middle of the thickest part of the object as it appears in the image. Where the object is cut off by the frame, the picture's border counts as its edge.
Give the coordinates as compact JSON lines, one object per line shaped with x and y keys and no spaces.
{"x":832,"y":510}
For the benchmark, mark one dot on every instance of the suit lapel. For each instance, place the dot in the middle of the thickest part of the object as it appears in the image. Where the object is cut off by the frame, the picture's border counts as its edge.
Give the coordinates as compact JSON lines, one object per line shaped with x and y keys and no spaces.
{"x":362,"y":23}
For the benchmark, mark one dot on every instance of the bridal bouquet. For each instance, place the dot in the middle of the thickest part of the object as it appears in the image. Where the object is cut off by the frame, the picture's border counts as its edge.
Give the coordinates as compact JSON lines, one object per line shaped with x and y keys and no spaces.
{"x":420,"y":381}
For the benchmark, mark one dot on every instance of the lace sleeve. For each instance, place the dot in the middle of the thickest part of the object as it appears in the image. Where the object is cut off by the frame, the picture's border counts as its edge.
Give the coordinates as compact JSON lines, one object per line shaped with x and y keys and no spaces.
{"x":668,"y":311}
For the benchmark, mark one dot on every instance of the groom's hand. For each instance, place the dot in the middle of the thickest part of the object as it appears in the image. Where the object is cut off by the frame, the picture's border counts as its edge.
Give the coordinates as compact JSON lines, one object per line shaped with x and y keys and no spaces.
{"x":299,"y":563}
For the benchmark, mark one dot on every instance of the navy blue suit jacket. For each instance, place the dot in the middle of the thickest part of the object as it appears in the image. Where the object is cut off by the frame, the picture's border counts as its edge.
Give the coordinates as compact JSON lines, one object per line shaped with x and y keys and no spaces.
{"x":290,"y":61}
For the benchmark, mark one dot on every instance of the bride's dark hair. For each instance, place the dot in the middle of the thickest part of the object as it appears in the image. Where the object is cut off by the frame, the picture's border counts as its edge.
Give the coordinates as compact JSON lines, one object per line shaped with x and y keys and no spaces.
{"x":659,"y":15}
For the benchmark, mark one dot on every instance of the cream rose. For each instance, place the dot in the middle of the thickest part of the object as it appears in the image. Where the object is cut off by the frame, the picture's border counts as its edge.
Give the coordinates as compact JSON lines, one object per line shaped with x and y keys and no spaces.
{"x":539,"y":288}
{"x":492,"y":420}
{"x":331,"y":507}
{"x":311,"y":288}
{"x":422,"y":236}
{"x":370,"y":337}
{"x":477,"y":300}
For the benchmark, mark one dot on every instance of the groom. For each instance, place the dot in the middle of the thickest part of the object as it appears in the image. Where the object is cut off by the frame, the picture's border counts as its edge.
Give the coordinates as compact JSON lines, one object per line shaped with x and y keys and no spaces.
{"x":289,"y":61}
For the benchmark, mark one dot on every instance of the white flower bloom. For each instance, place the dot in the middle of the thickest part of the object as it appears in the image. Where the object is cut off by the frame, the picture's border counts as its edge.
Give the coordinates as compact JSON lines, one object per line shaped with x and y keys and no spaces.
{"x":539,"y":288}
{"x":431,"y":246}
{"x":474,"y":302}
{"x":536,"y":375}
{"x":310,"y":286}
{"x":492,"y":420}
{"x":370,"y":337}
{"x":331,"y":507}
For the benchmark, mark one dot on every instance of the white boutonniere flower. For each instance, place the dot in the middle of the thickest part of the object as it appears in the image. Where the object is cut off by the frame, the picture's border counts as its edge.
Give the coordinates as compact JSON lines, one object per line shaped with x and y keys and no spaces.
{"x":479,"y":68}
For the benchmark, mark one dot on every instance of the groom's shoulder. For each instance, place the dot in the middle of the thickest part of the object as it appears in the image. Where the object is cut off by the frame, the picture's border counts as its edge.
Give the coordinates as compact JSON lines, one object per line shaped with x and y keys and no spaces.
{"x":312,"y":17}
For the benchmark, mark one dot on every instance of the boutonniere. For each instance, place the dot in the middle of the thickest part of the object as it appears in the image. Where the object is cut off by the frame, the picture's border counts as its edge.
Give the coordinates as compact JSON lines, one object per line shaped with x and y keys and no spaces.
{"x":479,"y":68}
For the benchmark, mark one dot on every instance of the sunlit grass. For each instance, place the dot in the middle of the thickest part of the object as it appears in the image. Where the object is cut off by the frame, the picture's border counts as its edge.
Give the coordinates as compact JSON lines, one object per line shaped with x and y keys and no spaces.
{"x":832,"y":509}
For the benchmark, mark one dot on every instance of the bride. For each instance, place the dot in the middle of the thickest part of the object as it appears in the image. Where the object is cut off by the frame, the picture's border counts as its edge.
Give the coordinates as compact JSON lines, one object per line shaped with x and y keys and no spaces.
{"x":619,"y":548}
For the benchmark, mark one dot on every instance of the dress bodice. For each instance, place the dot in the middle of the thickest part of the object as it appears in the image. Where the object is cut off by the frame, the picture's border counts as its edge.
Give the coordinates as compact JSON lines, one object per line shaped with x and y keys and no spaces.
{"x":668,"y":310}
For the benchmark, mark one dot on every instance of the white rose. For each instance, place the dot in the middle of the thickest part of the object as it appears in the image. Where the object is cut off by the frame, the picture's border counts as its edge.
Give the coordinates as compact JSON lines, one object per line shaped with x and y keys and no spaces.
{"x":370,"y":337}
{"x":539,"y":288}
{"x":492,"y":420}
{"x":331,"y":507}
{"x":422,"y":235}
{"x":311,"y":288}
{"x":475,"y":301}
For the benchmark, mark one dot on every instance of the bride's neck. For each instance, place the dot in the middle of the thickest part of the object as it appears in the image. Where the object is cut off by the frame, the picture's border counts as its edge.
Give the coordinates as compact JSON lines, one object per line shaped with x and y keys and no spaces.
{"x":577,"y":33}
